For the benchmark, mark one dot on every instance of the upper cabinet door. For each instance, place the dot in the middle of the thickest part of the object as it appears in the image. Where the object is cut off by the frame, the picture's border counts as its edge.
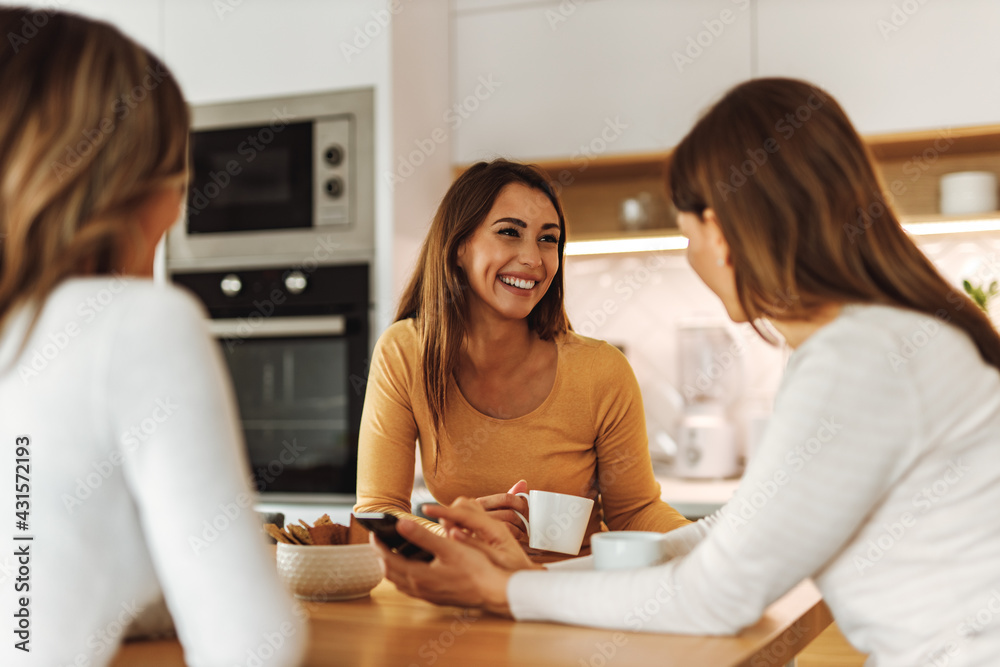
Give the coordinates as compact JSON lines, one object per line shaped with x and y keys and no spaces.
{"x":237,"y":49}
{"x":575,"y":78}
{"x":893,"y":64}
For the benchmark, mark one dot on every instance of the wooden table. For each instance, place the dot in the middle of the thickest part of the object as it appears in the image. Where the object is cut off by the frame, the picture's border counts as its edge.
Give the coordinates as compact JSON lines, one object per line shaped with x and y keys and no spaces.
{"x":390,"y":629}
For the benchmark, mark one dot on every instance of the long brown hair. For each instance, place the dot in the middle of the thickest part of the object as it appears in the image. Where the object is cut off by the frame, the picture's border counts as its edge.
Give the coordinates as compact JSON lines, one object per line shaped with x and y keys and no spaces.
{"x":803,"y":209}
{"x":91,"y":125}
{"x":436,"y":294}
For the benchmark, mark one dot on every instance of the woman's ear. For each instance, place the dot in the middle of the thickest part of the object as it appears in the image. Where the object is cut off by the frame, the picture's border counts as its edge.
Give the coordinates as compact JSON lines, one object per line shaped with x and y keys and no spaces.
{"x":716,"y":239}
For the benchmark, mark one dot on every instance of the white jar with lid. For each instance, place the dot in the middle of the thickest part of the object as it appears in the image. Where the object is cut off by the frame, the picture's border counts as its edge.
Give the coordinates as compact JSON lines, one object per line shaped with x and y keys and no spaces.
{"x":968,"y":192}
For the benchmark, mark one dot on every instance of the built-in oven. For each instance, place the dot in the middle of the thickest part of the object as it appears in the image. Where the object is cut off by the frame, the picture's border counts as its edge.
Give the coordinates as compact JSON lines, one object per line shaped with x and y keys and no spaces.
{"x":277,"y":240}
{"x":296,"y":342}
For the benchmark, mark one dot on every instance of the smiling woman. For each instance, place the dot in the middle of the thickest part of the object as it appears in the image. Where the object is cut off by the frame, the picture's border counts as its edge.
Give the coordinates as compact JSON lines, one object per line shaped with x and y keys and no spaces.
{"x":483,"y":373}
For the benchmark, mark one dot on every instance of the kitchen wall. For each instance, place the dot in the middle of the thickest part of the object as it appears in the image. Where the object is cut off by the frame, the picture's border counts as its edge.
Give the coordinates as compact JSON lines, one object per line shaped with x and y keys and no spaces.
{"x":637,"y":301}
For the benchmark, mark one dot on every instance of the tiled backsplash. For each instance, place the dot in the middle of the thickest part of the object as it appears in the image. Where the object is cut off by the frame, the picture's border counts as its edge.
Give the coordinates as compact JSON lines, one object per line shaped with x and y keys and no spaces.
{"x":637,"y":302}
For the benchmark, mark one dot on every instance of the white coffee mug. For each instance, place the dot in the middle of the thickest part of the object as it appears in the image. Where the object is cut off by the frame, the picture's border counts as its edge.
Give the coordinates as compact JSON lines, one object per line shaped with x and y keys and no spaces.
{"x":558,"y":521}
{"x":627,"y":549}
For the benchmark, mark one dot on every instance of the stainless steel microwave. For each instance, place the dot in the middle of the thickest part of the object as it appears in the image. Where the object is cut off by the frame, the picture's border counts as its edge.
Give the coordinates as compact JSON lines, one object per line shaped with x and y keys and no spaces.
{"x":275,"y":179}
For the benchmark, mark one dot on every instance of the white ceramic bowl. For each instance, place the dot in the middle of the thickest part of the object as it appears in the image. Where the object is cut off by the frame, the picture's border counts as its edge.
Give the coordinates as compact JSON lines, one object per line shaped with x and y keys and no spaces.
{"x":340,"y":572}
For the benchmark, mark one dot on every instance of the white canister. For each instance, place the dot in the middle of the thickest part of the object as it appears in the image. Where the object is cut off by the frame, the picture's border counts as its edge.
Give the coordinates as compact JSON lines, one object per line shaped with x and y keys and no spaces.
{"x":968,"y":192}
{"x":707,"y":445}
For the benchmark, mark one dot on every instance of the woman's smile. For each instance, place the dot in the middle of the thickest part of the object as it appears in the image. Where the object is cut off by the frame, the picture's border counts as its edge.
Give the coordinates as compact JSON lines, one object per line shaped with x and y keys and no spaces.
{"x":517,"y":284}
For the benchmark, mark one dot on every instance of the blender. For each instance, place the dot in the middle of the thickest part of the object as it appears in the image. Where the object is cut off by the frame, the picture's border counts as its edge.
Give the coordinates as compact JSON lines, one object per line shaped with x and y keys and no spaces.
{"x":711,"y":377}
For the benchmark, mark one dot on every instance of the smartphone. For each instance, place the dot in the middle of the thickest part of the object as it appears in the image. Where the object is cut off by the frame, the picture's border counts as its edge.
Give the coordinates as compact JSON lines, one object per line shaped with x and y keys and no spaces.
{"x":384,"y":527}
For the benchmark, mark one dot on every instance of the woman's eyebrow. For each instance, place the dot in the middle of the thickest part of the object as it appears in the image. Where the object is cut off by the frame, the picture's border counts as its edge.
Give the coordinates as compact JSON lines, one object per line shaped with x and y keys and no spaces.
{"x":523,"y":224}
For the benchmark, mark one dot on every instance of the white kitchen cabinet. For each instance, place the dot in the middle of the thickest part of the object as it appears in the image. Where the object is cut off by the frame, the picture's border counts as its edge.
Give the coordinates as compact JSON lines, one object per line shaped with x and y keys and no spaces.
{"x":237,"y":49}
{"x":573,"y":78}
{"x":894,"y":65}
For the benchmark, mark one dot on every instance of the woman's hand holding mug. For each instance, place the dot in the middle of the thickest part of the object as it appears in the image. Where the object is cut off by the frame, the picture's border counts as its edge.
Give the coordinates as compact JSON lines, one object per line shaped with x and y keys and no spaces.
{"x":505,"y":507}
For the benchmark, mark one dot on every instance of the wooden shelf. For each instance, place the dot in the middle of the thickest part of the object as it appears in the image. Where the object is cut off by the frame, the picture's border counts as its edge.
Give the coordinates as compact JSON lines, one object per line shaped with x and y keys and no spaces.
{"x":911,"y":163}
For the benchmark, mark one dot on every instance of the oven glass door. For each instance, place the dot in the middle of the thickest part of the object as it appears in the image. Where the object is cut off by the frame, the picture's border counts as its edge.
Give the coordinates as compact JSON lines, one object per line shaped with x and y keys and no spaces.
{"x":291,"y":379}
{"x":251,"y":179}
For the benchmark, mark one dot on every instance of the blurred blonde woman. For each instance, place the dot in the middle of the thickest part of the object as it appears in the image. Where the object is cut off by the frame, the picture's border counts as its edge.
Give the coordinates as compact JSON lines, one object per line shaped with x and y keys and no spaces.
{"x":879,"y":473}
{"x":113,"y":399}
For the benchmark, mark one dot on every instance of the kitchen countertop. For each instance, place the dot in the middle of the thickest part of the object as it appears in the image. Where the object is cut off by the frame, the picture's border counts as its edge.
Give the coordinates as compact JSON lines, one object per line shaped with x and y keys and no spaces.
{"x":692,"y":498}
{"x":389,"y":628}
{"x":696,"y":498}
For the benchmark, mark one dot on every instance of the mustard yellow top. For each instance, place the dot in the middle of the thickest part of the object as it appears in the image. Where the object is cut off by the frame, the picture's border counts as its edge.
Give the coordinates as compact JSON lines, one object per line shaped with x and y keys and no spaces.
{"x":588,"y":438}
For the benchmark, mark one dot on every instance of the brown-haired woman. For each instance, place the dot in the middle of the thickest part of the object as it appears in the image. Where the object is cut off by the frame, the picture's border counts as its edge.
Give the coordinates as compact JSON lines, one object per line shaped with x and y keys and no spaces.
{"x":879,"y":473}
{"x":116,"y":417}
{"x":481,"y":368}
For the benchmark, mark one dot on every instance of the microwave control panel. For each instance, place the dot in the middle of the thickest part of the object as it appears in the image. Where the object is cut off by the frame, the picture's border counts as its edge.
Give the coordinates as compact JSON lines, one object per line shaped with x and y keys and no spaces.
{"x":333,"y":160}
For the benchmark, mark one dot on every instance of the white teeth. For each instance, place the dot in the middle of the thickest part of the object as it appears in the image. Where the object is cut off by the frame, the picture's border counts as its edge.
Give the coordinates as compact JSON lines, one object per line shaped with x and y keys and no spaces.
{"x":517,"y":282}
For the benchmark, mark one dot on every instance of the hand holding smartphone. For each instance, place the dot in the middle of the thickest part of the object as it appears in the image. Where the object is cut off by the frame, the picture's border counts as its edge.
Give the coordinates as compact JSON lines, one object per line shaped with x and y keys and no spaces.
{"x":384,"y":527}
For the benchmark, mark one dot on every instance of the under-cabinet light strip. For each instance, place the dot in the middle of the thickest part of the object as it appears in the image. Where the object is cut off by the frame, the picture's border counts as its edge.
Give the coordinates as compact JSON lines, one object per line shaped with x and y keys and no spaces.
{"x":646,"y":244}
{"x":952,"y":227}
{"x":676,"y":242}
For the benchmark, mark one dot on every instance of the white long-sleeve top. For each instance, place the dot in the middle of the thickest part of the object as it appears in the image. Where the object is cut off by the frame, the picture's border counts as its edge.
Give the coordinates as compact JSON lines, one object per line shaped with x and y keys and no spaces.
{"x":878,"y":476}
{"x":138,"y":484}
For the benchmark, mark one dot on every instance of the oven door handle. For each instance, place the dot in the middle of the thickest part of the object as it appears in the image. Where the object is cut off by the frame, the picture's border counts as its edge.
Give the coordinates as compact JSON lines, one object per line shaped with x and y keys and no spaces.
{"x":278,"y":327}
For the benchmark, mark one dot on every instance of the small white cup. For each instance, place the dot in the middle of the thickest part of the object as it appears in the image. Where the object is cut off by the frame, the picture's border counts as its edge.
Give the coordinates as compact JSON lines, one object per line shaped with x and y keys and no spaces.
{"x":558,"y":521}
{"x":627,"y":549}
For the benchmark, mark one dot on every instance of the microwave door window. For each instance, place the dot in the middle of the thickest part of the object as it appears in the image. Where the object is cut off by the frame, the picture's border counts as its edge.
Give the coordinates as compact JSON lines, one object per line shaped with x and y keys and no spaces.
{"x":251,"y":179}
{"x":293,"y":402}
